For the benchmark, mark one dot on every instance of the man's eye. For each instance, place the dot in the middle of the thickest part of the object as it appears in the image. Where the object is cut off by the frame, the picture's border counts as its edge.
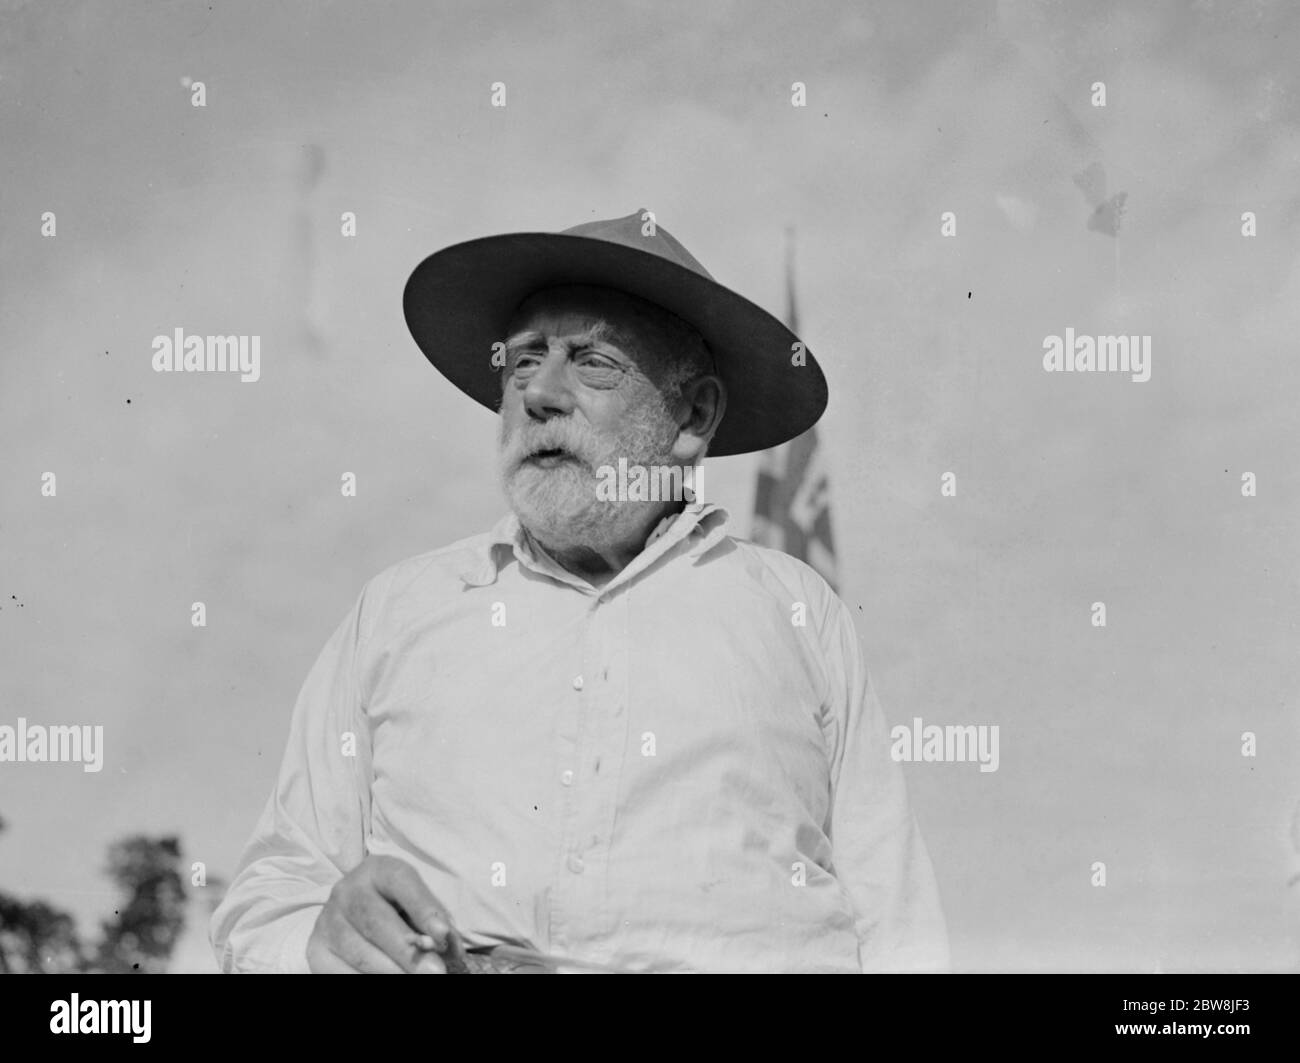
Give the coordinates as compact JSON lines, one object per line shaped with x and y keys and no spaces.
{"x":597,"y":371}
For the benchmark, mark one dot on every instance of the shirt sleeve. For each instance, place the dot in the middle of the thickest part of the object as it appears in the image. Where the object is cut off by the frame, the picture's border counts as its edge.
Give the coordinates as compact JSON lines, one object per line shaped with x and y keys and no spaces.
{"x":313,"y":828}
{"x":877,"y":850}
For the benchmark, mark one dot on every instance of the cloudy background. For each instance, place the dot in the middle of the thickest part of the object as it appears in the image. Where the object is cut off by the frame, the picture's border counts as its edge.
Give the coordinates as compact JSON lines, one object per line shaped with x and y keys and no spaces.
{"x":1120,"y":744}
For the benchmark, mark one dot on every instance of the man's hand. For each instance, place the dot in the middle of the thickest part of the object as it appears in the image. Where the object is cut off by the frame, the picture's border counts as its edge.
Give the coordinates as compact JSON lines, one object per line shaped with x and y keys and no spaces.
{"x":381,"y":919}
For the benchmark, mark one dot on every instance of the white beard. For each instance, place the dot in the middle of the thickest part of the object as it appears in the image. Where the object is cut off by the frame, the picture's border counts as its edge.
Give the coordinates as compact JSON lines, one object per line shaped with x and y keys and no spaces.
{"x":559,"y":506}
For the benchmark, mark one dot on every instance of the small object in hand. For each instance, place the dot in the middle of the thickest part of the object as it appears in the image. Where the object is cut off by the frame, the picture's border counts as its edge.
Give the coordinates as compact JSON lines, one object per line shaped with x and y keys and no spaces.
{"x":505,"y":959}
{"x":511,"y":959}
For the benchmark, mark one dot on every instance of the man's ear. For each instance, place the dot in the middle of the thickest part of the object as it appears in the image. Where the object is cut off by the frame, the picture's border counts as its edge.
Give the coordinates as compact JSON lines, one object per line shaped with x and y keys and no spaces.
{"x":699,"y":411}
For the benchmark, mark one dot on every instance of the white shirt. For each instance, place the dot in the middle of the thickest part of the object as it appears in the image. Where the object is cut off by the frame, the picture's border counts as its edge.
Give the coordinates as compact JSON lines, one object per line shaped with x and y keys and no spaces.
{"x":684,"y":770}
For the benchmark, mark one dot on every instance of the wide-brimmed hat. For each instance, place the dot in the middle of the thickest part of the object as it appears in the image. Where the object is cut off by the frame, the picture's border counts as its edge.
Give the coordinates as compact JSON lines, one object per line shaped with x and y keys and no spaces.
{"x":459,"y":300}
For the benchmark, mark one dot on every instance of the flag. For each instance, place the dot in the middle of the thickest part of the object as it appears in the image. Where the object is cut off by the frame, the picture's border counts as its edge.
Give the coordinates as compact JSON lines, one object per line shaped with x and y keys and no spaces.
{"x":792,"y":510}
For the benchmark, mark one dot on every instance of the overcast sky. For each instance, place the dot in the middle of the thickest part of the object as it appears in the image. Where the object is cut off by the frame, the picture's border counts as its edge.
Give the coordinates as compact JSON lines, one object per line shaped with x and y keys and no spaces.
{"x":1120,"y":744}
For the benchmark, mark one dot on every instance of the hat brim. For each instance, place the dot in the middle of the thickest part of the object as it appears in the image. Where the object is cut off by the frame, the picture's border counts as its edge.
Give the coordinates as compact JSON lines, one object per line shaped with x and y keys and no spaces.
{"x":458,"y":303}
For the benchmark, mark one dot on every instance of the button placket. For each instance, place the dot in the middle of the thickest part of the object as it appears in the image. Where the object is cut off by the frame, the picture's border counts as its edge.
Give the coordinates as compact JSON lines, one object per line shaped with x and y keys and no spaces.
{"x":578,"y":796}
{"x":607,"y":675}
{"x":565,"y":906}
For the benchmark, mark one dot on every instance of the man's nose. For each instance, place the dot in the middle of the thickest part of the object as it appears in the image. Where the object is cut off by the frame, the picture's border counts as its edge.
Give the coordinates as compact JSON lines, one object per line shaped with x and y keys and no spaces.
{"x":549,"y":392}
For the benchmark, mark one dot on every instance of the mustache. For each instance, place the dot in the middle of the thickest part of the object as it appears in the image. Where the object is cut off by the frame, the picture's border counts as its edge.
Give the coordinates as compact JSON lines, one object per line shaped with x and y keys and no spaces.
{"x":561,"y":436}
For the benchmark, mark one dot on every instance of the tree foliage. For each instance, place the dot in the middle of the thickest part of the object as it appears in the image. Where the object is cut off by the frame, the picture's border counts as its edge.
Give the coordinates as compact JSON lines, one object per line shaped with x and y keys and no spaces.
{"x":38,"y":938}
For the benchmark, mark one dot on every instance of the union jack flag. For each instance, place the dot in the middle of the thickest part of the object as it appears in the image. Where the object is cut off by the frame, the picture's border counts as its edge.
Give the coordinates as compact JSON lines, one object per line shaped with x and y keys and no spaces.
{"x":792,"y":510}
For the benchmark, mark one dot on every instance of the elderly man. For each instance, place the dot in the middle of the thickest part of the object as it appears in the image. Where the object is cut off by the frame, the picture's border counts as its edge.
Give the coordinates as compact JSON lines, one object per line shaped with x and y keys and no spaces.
{"x":607,"y":729}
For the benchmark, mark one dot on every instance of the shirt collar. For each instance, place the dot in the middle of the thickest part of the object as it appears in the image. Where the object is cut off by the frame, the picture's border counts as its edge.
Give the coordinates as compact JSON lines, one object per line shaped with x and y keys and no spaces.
{"x":703,"y":522}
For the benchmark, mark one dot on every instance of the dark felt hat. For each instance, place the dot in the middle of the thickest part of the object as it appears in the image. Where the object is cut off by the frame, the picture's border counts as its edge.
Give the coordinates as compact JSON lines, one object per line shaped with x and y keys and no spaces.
{"x":459,"y":300}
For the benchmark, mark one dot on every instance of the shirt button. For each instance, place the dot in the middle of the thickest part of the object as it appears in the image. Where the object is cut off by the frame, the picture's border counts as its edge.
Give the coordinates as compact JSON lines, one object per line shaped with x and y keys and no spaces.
{"x":576,"y":865}
{"x":566,"y":777}
{"x":577,"y":682}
